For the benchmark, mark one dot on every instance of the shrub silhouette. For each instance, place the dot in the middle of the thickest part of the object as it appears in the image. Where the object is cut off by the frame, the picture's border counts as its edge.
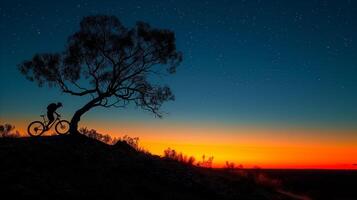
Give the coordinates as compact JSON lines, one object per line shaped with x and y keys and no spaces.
{"x":105,"y":138}
{"x":173,"y":155}
{"x":207,"y":163}
{"x":132,"y":141}
{"x":7,"y":130}
{"x":230,"y":166}
{"x":191,"y":160}
{"x":112,"y":64}
{"x":91,"y":133}
{"x":170,"y":153}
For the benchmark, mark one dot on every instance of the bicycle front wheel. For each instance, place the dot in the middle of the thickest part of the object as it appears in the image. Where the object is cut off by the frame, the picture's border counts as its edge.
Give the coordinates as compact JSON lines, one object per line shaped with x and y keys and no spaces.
{"x":36,"y":129}
{"x":62,"y":127}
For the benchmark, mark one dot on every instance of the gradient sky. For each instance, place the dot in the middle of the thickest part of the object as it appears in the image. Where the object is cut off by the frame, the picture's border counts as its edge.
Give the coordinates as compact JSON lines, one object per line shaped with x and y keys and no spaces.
{"x":269,"y":83}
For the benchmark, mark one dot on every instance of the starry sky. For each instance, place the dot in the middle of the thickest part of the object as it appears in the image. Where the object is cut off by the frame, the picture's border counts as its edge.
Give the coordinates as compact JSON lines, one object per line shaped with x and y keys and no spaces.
{"x":264,"y":64}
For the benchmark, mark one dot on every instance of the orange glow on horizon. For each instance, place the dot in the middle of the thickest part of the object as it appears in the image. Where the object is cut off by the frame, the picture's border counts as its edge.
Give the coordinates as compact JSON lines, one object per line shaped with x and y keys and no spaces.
{"x":249,"y":146}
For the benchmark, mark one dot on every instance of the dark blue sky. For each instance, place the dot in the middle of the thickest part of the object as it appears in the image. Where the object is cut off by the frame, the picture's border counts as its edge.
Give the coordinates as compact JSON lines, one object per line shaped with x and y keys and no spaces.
{"x":245,"y":62}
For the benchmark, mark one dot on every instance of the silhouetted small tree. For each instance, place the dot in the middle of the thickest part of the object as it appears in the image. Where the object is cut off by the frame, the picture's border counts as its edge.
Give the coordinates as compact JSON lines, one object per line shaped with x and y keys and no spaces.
{"x":8,"y":130}
{"x":110,"y":63}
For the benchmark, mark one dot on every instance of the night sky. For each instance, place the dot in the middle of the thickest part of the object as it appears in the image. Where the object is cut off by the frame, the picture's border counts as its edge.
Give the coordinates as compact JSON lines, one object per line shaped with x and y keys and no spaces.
{"x":278,"y":63}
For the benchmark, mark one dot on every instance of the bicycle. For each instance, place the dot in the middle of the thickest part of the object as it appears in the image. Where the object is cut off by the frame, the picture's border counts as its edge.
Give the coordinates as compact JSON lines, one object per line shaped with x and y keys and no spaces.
{"x":37,"y":128}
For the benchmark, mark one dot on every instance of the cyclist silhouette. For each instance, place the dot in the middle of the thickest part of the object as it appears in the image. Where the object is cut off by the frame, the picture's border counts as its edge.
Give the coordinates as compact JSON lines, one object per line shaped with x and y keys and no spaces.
{"x":51,"y":110}
{"x":37,"y":128}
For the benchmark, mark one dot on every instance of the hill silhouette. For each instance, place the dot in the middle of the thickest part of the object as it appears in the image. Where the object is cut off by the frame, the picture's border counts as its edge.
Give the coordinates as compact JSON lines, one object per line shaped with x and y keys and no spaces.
{"x":78,"y":166}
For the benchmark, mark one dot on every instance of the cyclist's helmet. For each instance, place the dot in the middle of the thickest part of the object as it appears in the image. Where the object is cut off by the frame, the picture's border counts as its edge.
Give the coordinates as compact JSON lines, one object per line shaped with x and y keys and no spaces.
{"x":59,"y":104}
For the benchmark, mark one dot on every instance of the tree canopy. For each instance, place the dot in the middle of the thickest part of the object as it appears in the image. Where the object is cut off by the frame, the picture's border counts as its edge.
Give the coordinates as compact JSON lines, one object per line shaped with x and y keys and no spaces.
{"x":111,"y":63}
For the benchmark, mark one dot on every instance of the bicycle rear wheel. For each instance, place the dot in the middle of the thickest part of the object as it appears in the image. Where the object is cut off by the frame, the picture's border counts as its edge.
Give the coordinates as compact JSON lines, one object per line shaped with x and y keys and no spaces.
{"x":62,"y":127}
{"x":36,"y":129}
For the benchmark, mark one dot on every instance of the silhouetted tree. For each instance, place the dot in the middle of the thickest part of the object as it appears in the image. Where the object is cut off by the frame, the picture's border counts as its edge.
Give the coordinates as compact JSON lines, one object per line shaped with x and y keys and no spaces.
{"x":111,"y":63}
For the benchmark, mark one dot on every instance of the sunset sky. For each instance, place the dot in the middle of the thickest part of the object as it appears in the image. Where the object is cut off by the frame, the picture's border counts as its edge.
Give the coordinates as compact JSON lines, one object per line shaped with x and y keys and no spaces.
{"x":262,"y":83}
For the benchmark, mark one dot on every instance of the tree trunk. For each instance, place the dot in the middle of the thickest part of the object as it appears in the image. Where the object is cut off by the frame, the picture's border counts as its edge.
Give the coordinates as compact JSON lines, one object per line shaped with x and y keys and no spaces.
{"x":73,"y":129}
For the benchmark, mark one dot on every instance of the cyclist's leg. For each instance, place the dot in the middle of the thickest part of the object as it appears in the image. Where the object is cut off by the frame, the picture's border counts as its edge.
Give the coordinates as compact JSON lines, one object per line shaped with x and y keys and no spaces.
{"x":50,"y":119}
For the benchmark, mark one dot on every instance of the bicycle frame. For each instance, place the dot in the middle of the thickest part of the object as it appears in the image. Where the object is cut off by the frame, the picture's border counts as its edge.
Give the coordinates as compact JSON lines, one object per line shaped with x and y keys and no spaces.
{"x":37,"y":128}
{"x":53,"y":123}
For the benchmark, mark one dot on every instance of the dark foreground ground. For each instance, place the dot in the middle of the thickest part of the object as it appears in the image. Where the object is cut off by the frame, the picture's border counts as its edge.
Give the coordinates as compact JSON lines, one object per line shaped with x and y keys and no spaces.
{"x":61,"y":167}
{"x":318,"y":184}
